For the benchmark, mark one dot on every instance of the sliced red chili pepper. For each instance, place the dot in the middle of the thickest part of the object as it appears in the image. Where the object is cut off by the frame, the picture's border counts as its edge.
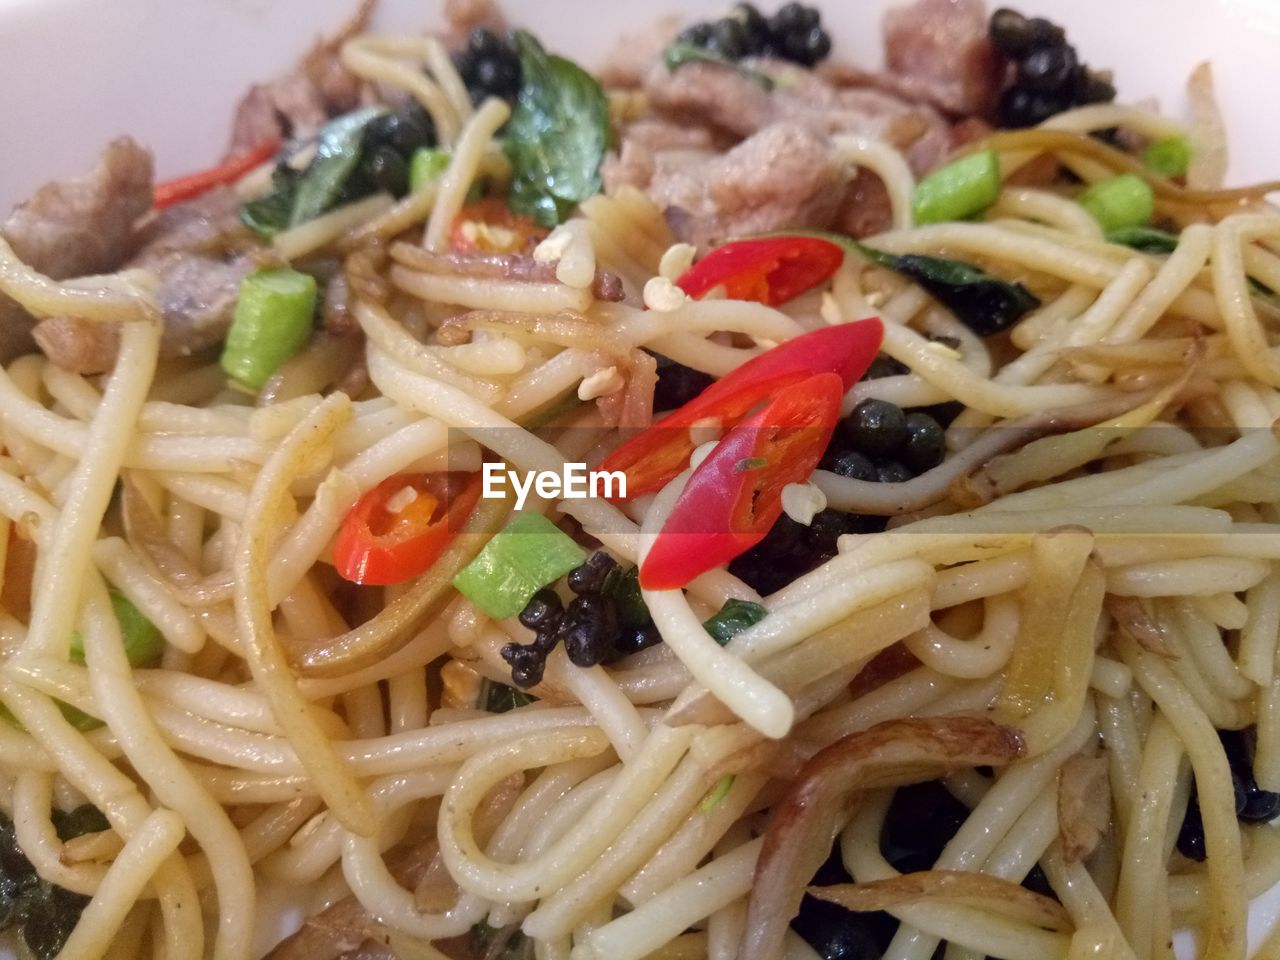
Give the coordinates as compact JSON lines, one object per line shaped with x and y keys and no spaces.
{"x":735,"y":495}
{"x":399,"y":528}
{"x":770,"y":270}
{"x":490,"y":226}
{"x":194,"y":184}
{"x":650,"y":459}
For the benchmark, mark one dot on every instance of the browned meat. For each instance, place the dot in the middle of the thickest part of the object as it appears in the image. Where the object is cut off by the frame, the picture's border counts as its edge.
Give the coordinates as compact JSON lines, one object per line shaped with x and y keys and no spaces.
{"x":80,"y":346}
{"x":865,"y":210}
{"x":644,"y":141}
{"x":937,"y":51}
{"x":298,"y":103}
{"x":81,"y":226}
{"x":787,"y":175}
{"x":75,"y":227}
{"x":711,"y":95}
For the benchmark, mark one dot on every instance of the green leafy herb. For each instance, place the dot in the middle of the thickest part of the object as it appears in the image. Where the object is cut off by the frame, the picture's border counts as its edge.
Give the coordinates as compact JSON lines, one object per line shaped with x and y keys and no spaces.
{"x":623,"y":586}
{"x":734,"y":617}
{"x":296,"y":197}
{"x":45,"y":913}
{"x":983,"y":303}
{"x":717,"y":794}
{"x":678,"y":54}
{"x":143,"y":643}
{"x":557,"y":135}
{"x":499,"y":698}
{"x":1146,"y":239}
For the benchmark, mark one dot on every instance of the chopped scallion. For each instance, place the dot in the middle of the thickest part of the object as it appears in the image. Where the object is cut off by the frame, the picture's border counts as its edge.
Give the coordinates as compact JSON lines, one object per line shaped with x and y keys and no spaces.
{"x":734,"y":617}
{"x":1123,"y":201}
{"x":428,"y":164}
{"x":959,"y":190}
{"x":1169,"y":157}
{"x":717,"y":794}
{"x":526,"y":555}
{"x":272,"y":322}
{"x":1146,"y":239}
{"x":143,"y":643}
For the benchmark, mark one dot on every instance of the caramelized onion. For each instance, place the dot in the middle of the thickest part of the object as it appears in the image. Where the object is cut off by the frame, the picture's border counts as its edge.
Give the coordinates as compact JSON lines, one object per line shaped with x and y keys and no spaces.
{"x":1084,"y":806}
{"x":807,"y":818}
{"x":145,"y":532}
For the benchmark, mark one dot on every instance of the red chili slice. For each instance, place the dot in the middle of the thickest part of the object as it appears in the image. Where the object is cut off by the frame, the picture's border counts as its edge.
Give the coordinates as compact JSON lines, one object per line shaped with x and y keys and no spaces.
{"x":194,"y":184}
{"x":770,"y":270}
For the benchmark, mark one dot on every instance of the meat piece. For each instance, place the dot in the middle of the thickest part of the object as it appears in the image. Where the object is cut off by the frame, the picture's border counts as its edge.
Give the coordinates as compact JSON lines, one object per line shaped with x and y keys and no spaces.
{"x":632,"y":56}
{"x":787,"y":175}
{"x":197,"y":297}
{"x":937,"y":51}
{"x":712,"y":95}
{"x":80,"y":346}
{"x":642,"y":143}
{"x":81,"y":226}
{"x":865,"y":210}
{"x":75,"y":227}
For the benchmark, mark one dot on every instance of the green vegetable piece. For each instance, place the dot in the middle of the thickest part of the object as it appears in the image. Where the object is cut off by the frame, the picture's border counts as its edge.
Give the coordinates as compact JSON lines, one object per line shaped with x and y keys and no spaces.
{"x":499,"y":698}
{"x":44,"y":913}
{"x":1123,"y":201}
{"x":959,"y":190}
{"x":557,"y":135}
{"x":272,"y":322}
{"x":525,"y":556}
{"x":269,"y":214}
{"x":678,"y":54}
{"x":1169,"y":157}
{"x":143,"y":643}
{"x":983,"y":303}
{"x":717,"y":794}
{"x":734,"y":617}
{"x":1146,"y":239}
{"x":624,"y":587}
{"x":427,"y":164}
{"x":338,"y":153}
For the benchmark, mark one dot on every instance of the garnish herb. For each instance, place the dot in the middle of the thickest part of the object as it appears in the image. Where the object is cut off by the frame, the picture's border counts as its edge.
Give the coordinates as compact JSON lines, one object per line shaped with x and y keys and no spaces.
{"x":557,"y":135}
{"x":678,"y":54}
{"x":734,"y":617}
{"x":1146,"y":239}
{"x":499,"y":698}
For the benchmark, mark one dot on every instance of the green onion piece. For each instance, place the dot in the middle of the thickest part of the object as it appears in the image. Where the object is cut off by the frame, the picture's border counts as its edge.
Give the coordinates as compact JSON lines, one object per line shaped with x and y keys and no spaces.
{"x":624,"y":587}
{"x":272,"y":322}
{"x":959,"y":190}
{"x":734,"y":617}
{"x":1146,"y":239}
{"x":1169,"y":157}
{"x":143,"y":643}
{"x":525,"y":556}
{"x":717,"y":794}
{"x":427,"y":164}
{"x":499,"y":698}
{"x":1123,"y":201}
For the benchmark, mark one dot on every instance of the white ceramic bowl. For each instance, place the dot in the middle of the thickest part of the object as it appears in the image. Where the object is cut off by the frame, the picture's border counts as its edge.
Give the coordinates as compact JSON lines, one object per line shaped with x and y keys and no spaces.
{"x":75,"y":73}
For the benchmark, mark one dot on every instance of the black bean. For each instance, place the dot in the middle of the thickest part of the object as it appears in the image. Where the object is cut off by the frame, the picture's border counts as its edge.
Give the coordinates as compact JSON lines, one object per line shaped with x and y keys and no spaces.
{"x":854,"y":465}
{"x":696,"y":34}
{"x":1044,"y":33}
{"x":754,"y":26}
{"x":921,"y":821}
{"x":1093,"y":87}
{"x":1008,"y":32}
{"x":543,"y":607}
{"x":678,"y":384}
{"x":1191,"y":833}
{"x":589,"y":629}
{"x":885,"y":366}
{"x":891,"y":471}
{"x":1037,"y":882}
{"x":634,"y":640}
{"x":527,"y":664}
{"x":797,"y":34}
{"x":590,"y":576}
{"x":728,"y":38}
{"x":1049,"y":70}
{"x":876,"y":428}
{"x":926,"y":443}
{"x":388,"y":171}
{"x":1020,"y":107}
{"x":489,"y":66}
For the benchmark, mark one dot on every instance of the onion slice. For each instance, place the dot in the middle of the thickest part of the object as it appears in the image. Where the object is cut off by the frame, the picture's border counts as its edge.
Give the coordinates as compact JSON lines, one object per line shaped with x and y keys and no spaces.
{"x":807,"y":818}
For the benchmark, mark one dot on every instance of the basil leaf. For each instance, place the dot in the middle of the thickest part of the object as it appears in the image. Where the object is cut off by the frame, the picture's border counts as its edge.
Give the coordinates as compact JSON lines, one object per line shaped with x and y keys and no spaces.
{"x":338,"y":152}
{"x":678,"y":54}
{"x":1146,"y":239}
{"x":269,"y":214}
{"x":983,"y":303}
{"x":557,"y":135}
{"x":499,"y":698}
{"x":623,"y":586}
{"x":734,"y":617}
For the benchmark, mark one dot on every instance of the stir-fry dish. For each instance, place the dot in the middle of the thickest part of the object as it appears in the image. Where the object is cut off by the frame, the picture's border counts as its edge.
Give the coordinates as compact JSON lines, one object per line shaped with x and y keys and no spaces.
{"x":729,"y":504}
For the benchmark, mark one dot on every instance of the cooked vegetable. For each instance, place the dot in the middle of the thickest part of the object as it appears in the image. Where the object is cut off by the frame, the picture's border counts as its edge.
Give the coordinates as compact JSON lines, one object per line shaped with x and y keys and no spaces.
{"x":722,"y":511}
{"x":272,"y":322}
{"x":680,"y":53}
{"x":193,"y":185}
{"x":983,"y":303}
{"x":653,"y":457}
{"x":716,"y":795}
{"x":1146,"y":239}
{"x":428,"y":164}
{"x":44,"y":912}
{"x":400,"y":527}
{"x":529,"y":553}
{"x":557,"y":135}
{"x":499,"y":698}
{"x":959,"y":190}
{"x":337,"y":156}
{"x":768,"y":270}
{"x":734,"y":617}
{"x":1169,"y":157}
{"x":1123,"y":201}
{"x":490,"y":226}
{"x":143,"y":643}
